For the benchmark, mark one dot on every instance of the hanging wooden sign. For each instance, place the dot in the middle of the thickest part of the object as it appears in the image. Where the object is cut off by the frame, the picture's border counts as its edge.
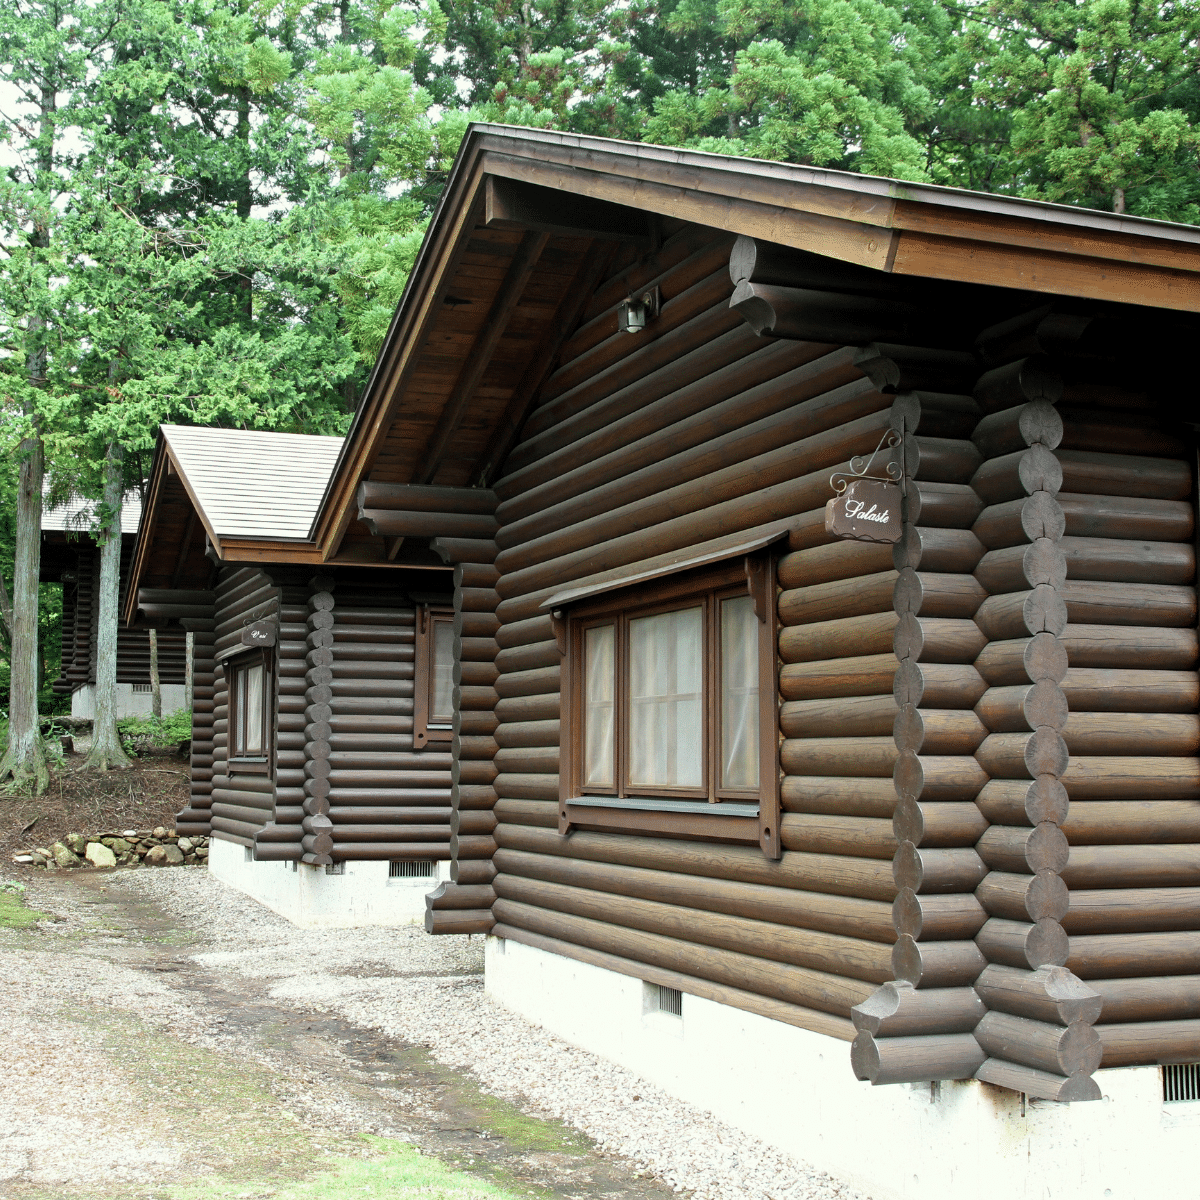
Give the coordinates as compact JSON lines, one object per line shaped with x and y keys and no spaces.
{"x":867,"y":511}
{"x":260,"y":633}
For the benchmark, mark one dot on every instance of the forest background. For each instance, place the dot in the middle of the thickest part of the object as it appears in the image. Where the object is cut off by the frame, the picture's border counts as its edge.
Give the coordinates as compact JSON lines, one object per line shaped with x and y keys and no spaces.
{"x":209,"y":208}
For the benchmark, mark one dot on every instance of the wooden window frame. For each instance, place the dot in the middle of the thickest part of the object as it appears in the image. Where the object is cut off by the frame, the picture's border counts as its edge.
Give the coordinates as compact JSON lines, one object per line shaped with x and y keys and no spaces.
{"x":241,"y":764}
{"x":709,"y":813}
{"x":424,"y":674}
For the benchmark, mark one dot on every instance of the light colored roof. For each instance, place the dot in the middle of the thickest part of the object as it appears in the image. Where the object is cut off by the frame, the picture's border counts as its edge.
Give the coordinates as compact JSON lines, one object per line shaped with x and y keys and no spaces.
{"x":253,"y":485}
{"x":76,"y":515}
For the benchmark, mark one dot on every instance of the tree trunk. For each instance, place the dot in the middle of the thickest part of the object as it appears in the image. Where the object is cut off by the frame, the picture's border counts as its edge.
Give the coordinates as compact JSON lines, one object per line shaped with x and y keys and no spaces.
{"x":106,"y":752}
{"x":189,"y":670}
{"x":25,"y":760}
{"x":155,"y":684}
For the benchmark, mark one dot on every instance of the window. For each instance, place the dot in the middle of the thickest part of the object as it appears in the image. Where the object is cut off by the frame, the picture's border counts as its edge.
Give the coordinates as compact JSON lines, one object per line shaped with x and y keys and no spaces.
{"x":251,"y":711}
{"x":433,"y":702}
{"x":670,"y":715}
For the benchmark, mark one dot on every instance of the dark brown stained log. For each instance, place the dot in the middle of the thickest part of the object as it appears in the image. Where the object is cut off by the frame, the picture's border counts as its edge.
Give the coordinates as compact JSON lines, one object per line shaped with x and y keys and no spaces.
{"x":897,"y":1009}
{"x":527,"y":759}
{"x":765,"y":1006}
{"x":1130,"y":646}
{"x":476,"y":796}
{"x":462,"y":549}
{"x":1133,"y":910}
{"x":935,"y":872}
{"x":937,"y":639}
{"x":1124,"y":560}
{"x":937,"y":778}
{"x":1023,"y":707}
{"x":1125,"y":475}
{"x":867,"y":756}
{"x":536,"y":682}
{"x":522,"y":633}
{"x":1163,"y":998}
{"x":1021,"y":944}
{"x":373,"y":834}
{"x":528,"y":657}
{"x":1129,"y":604}
{"x":925,"y":594}
{"x":1023,"y":660}
{"x":1076,"y":515}
{"x":1120,"y":955}
{"x":941,"y":824}
{"x":1112,"y":778}
{"x":1021,"y":755}
{"x":755,"y":261}
{"x":915,"y":1059}
{"x":862,"y":716}
{"x":475,"y":575}
{"x":941,"y":460}
{"x":850,"y":636}
{"x":477,"y":698}
{"x":851,"y":917}
{"x":408,"y":497}
{"x":815,"y":315}
{"x":472,"y":872}
{"x":815,"y":989}
{"x":1021,"y":473}
{"x":835,"y":875}
{"x":1064,"y":1050}
{"x":837,"y":599}
{"x":1020,"y":521}
{"x":1040,"y":1084}
{"x":942,"y":505}
{"x":844,"y":796}
{"x":464,"y":822}
{"x":936,"y":964}
{"x":840,"y":560}
{"x":936,"y":685}
{"x":522,"y":811}
{"x":1132,"y":866}
{"x":1020,"y":567}
{"x":1155,"y":734}
{"x":1024,"y":851}
{"x":937,"y":731}
{"x":528,"y":708}
{"x":937,"y":918}
{"x":1031,"y":378}
{"x":457,"y":920}
{"x":823,"y":834}
{"x":935,"y":414}
{"x":1089,"y":689}
{"x":528,"y":733}
{"x":347,"y":815}
{"x":473,"y":846}
{"x":475,"y":599}
{"x":475,"y":625}
{"x":1040,"y":897}
{"x":902,"y":368}
{"x":1023,"y":801}
{"x":477,"y":724}
{"x":530,"y":787}
{"x":1012,"y":429}
{"x":457,"y":895}
{"x":1154,"y":1041}
{"x":1050,"y":995}
{"x":953,"y":551}
{"x":871,"y":675}
{"x":1022,"y":614}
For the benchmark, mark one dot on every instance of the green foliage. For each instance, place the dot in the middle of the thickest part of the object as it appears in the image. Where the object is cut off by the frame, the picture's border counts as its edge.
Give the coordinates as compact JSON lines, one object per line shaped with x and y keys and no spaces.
{"x":142,"y":733}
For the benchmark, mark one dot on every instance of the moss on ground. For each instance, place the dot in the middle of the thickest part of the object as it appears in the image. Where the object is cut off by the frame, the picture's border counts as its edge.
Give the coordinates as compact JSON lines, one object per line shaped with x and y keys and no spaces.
{"x":13,"y":912}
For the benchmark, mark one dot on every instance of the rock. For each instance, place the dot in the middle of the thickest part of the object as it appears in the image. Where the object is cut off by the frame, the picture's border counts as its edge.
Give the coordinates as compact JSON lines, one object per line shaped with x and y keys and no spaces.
{"x":159,"y":832}
{"x":99,"y":855}
{"x":75,"y":842}
{"x":39,"y":859}
{"x":151,"y":841}
{"x":129,"y":834}
{"x":185,"y":844}
{"x":63,"y":857}
{"x":118,"y":845}
{"x":190,"y":859}
{"x":202,"y":852}
{"x":164,"y":856}
{"x":24,"y":859}
{"x":43,"y":852}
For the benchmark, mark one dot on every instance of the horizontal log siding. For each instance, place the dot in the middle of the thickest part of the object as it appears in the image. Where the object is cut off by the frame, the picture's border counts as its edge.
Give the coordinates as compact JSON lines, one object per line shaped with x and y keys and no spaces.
{"x":1134,"y":774}
{"x":197,"y":817}
{"x":241,"y":804}
{"x":648,"y":454}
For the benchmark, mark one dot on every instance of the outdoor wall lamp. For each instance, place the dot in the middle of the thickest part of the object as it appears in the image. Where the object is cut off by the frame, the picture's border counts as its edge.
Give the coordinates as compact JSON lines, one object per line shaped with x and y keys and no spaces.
{"x":636,"y":310}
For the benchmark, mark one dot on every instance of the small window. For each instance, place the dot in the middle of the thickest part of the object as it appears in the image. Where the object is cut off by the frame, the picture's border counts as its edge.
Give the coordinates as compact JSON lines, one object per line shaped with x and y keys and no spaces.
{"x":433,"y":694}
{"x":671,"y":707}
{"x":251,"y":711}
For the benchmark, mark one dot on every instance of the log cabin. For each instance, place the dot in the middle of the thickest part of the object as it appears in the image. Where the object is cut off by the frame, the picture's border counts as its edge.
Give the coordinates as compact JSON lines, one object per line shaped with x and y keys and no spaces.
{"x":71,"y":556}
{"x":825,"y":735}
{"x":325,"y":799}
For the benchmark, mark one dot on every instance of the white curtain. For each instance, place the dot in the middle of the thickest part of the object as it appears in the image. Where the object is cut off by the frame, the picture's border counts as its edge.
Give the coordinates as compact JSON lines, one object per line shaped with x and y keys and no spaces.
{"x":665,"y":703}
{"x":739,"y":693}
{"x":599,"y":648}
{"x":442,"y":704}
{"x":253,"y":710}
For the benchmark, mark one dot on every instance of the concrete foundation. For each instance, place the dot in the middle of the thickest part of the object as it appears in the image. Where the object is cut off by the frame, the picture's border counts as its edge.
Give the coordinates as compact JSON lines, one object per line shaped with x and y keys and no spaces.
{"x":311,"y":899}
{"x":795,"y":1090}
{"x":129,"y":702}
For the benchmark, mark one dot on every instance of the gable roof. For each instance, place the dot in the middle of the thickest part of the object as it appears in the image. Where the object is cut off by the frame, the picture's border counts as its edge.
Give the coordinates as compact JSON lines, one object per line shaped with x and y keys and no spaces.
{"x":446,"y":377}
{"x":75,"y":516}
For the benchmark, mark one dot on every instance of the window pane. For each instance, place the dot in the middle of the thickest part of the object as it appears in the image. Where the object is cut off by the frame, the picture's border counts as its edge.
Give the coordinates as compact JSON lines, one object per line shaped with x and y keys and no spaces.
{"x":665,"y":705}
{"x":441,"y":703}
{"x":253,"y":709}
{"x":739,"y":693}
{"x":239,"y":712}
{"x":599,"y":650}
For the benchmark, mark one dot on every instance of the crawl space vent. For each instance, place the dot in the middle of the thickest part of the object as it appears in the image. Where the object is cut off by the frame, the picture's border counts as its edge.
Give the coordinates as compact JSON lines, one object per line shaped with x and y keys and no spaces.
{"x":407,"y":868}
{"x":1181,"y":1081}
{"x":335,"y":868}
{"x":143,"y":687}
{"x":669,"y":1000}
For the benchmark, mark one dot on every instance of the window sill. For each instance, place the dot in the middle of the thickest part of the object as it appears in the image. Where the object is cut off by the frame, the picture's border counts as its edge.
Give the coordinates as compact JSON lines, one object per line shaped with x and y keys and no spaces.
{"x":689,"y":819}
{"x":248,"y":766}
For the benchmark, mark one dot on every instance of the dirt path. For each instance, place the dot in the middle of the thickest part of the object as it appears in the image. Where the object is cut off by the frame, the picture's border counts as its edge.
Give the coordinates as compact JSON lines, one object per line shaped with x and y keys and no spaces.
{"x":137,"y":1065}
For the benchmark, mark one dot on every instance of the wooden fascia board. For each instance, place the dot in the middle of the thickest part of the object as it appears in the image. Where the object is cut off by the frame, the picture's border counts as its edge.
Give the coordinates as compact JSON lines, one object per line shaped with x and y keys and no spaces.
{"x":149,"y":521}
{"x":403,"y":348}
{"x":262,"y":550}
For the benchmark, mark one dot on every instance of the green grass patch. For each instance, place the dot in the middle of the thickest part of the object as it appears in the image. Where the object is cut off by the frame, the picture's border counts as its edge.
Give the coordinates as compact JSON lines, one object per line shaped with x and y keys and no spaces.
{"x":13,"y":912}
{"x":389,"y":1169}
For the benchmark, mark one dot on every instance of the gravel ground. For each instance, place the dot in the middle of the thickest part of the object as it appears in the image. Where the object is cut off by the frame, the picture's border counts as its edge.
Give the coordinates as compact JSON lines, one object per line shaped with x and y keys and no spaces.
{"x":429,"y":991}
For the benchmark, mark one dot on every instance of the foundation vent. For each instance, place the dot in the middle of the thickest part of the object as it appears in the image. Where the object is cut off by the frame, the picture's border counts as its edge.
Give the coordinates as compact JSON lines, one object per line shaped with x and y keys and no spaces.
{"x":143,"y":687}
{"x":338,"y":868}
{"x":1181,"y":1081}
{"x":667,"y":999}
{"x":412,"y":868}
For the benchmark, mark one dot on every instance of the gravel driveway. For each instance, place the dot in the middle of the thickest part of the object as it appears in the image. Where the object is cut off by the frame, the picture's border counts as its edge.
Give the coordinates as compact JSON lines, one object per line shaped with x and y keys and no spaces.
{"x":168,"y":1037}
